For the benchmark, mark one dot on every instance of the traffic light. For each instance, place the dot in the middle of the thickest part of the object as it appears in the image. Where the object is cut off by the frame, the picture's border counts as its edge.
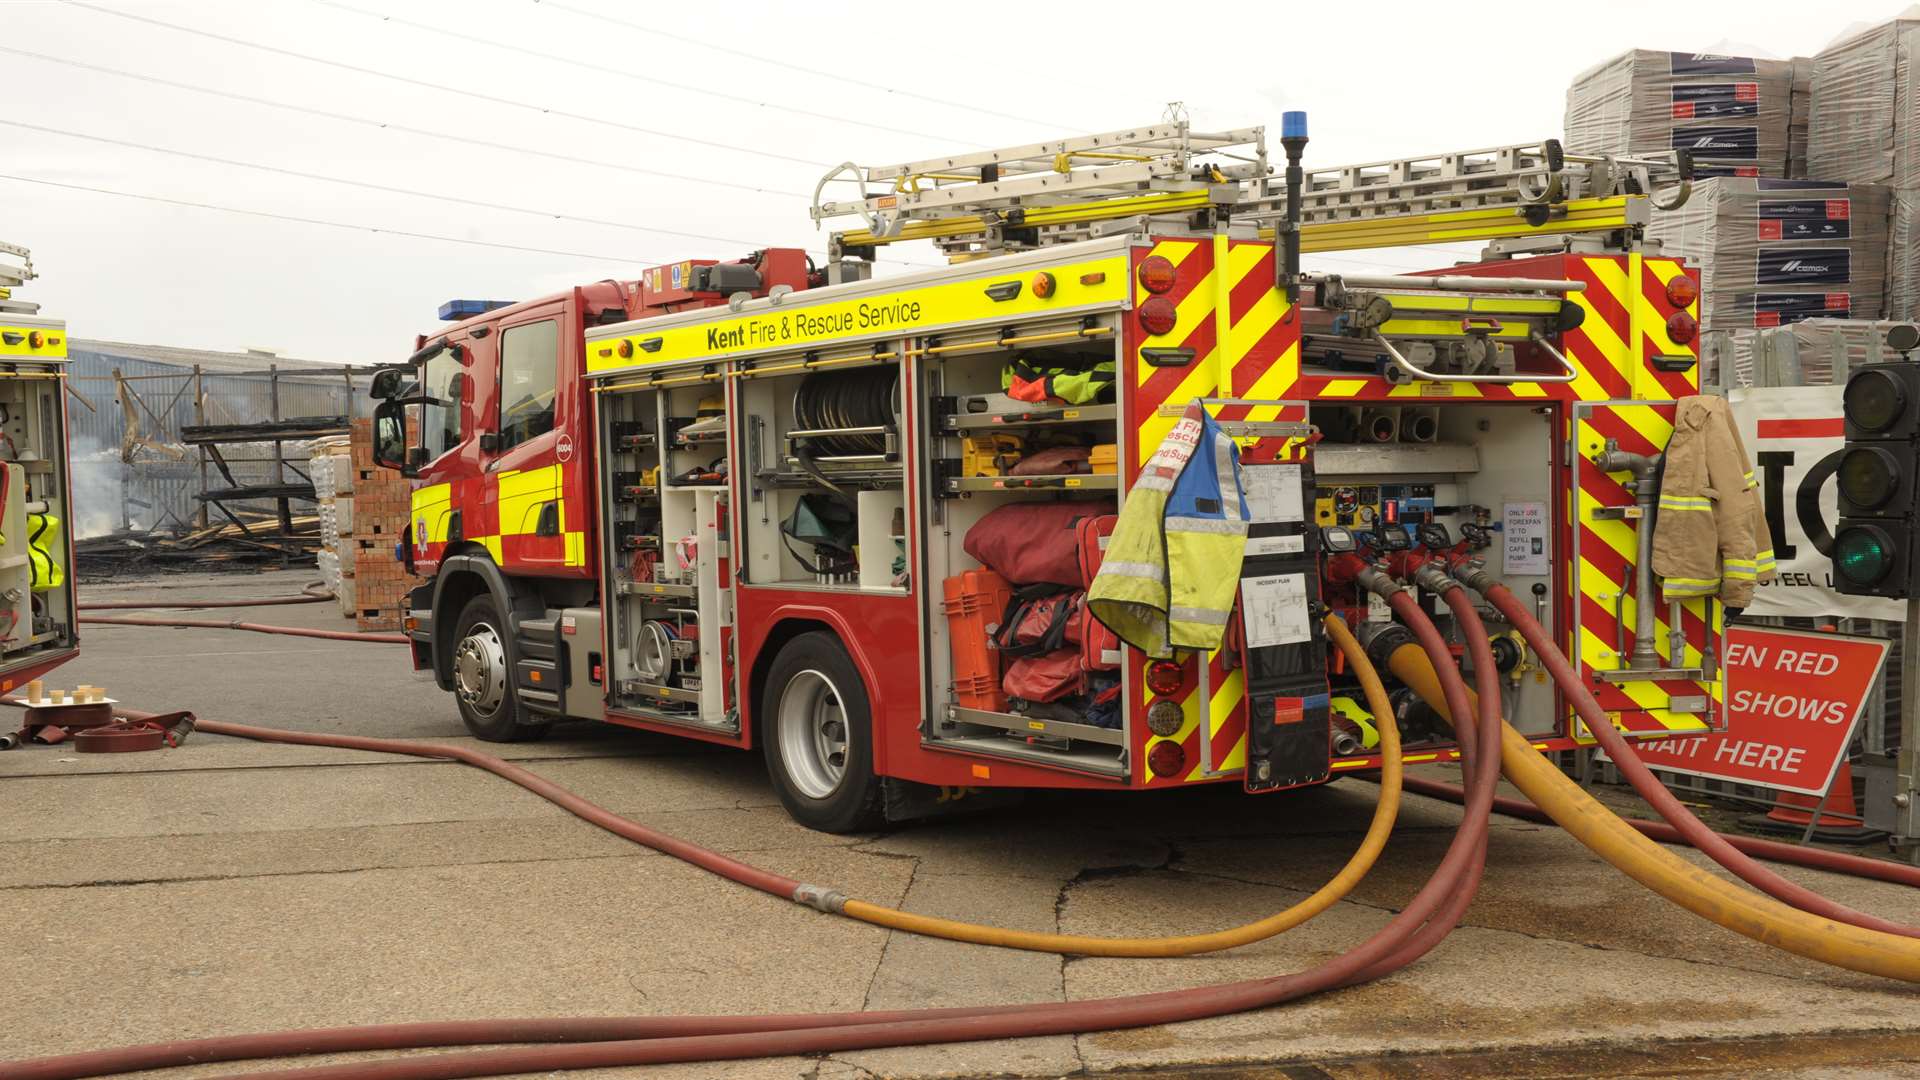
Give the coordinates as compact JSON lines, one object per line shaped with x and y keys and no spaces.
{"x":1874,"y":549}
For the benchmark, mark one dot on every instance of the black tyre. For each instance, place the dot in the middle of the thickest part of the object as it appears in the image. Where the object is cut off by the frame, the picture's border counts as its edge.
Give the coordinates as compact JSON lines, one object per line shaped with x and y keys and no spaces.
{"x":483,"y":676}
{"x":816,"y":730}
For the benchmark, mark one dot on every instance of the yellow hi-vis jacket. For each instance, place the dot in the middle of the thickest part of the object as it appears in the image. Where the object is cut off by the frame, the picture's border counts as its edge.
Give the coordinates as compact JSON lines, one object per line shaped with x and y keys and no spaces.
{"x":44,"y":543}
{"x":1172,"y":565}
{"x":1709,"y":536}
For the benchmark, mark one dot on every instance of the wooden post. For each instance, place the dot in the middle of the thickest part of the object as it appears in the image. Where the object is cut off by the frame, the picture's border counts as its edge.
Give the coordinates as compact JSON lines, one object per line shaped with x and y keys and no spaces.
{"x":280,"y":466}
{"x":200,"y":420}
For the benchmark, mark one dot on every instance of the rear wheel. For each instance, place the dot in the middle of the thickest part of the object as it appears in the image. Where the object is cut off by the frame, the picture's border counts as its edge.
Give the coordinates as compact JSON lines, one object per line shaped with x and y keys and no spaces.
{"x":483,"y":677}
{"x":817,"y":735}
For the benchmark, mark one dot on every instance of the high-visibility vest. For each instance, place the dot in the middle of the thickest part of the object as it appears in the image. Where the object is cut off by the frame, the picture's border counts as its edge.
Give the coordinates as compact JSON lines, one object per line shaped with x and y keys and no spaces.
{"x":1172,"y":565}
{"x":44,"y":541}
{"x":1028,"y":377}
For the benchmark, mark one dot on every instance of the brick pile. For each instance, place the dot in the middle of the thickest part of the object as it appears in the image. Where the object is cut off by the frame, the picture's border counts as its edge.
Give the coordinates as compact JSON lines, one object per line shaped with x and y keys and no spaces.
{"x":381,"y":500}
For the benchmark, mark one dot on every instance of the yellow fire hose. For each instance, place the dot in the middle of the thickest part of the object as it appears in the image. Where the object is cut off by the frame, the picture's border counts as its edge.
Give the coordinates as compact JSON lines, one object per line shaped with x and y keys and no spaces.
{"x":1329,"y":894}
{"x":1707,"y":895}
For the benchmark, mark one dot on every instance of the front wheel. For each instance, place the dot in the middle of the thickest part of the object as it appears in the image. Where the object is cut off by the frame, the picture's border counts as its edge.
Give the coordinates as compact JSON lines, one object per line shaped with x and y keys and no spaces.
{"x":483,"y":676}
{"x":817,"y":735}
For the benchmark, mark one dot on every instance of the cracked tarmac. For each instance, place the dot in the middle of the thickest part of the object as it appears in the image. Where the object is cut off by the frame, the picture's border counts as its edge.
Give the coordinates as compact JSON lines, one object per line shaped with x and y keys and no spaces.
{"x":248,"y":887}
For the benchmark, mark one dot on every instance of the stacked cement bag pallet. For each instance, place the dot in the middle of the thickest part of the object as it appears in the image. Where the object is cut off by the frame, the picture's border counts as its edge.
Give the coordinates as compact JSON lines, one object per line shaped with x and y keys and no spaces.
{"x":1864,"y":125}
{"x":331,"y":467}
{"x":1865,"y":128}
{"x":1774,"y":252}
{"x":1734,"y":113}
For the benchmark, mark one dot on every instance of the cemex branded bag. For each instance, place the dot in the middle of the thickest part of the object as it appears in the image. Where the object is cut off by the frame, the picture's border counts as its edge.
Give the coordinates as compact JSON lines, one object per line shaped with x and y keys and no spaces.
{"x":1774,"y":252}
{"x":1032,"y":542}
{"x":1734,"y":114}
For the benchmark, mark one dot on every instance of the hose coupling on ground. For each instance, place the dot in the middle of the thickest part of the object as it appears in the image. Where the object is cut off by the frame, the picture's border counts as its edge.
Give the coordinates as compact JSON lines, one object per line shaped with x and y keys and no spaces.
{"x":821,"y":898}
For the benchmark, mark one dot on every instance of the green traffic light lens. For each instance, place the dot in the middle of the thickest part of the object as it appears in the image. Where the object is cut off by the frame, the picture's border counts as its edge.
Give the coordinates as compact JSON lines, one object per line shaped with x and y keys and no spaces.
{"x":1868,"y":476}
{"x":1874,"y":400}
{"x":1863,"y":554}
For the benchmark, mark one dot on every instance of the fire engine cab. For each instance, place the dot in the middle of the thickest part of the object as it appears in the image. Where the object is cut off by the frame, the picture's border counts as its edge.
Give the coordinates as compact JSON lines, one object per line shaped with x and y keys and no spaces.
{"x":850,"y":521}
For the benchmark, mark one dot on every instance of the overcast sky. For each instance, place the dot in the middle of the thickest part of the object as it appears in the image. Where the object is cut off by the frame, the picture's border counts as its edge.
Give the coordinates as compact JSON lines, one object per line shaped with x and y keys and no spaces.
{"x":730,"y":105}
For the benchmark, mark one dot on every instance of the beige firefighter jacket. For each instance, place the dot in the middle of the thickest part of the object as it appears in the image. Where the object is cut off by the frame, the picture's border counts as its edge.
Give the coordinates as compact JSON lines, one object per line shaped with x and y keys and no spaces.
{"x":1709,"y":536}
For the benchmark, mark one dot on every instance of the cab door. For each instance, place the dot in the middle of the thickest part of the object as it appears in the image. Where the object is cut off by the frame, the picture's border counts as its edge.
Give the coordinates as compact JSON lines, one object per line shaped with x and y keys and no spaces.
{"x":523,"y":454}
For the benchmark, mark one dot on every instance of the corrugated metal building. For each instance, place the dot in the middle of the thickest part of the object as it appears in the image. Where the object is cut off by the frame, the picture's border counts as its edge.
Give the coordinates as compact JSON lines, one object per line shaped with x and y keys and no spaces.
{"x":129,"y":401}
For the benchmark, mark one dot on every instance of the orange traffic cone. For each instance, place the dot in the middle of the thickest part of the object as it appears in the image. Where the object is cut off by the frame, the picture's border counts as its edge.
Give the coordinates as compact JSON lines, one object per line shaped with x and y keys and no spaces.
{"x":1839,"y":821}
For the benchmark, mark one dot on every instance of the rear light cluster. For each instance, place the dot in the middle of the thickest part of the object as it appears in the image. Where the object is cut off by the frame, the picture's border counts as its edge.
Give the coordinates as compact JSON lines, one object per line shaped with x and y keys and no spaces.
{"x":1157,"y":315}
{"x":1681,"y":329}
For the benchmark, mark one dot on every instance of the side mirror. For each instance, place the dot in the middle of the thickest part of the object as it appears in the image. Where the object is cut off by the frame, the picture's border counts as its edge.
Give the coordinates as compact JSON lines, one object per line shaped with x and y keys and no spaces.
{"x":387,"y":384}
{"x":390,"y":439}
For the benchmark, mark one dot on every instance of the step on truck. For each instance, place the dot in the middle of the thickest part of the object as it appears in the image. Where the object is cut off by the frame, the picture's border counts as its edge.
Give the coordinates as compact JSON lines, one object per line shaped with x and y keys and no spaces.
{"x":849,"y":520}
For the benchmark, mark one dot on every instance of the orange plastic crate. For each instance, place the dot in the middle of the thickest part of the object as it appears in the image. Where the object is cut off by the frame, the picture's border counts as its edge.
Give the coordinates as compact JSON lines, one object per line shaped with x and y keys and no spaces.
{"x":974,"y":603}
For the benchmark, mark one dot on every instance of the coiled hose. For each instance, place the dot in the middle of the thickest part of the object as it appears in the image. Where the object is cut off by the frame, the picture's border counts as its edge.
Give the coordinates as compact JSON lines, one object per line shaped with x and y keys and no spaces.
{"x":611,"y":1042}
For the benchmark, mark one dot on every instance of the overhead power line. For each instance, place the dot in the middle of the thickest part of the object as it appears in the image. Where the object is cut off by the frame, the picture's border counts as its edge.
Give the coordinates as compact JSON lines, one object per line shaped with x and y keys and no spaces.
{"x":553,"y":215}
{"x":519,"y":49}
{"x":821,"y":73}
{"x":321,"y":221}
{"x":493,"y":99}
{"x":387,"y":125}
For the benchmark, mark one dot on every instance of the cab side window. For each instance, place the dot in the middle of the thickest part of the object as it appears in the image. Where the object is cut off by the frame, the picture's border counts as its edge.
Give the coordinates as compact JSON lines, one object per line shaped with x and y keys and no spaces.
{"x":529,"y":362}
{"x":439,"y":417}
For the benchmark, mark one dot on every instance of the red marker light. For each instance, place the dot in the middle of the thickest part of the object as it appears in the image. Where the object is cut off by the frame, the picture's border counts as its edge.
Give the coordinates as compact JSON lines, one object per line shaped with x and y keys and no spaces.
{"x":1681,"y":328}
{"x":1167,"y":758}
{"x":1156,"y":274}
{"x":1682,"y":292}
{"x":1158,"y":316}
{"x":1165,"y":677}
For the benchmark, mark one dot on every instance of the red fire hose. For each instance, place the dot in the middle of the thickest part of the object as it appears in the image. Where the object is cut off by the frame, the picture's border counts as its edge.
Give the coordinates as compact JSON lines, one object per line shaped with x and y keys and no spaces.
{"x":306,"y":596}
{"x":237,"y":624}
{"x":655,"y":1040}
{"x":1655,"y":793}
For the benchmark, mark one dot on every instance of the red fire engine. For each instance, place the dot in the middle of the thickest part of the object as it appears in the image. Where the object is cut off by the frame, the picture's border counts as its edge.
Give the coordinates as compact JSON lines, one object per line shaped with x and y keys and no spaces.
{"x":37,"y":612}
{"x":847,"y":520}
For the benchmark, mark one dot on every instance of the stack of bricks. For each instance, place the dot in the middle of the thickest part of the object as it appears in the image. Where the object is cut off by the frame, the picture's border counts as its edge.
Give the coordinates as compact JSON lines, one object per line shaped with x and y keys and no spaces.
{"x":381,"y":500}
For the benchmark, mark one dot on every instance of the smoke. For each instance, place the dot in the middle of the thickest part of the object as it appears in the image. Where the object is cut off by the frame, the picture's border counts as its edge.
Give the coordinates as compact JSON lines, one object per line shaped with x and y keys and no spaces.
{"x":98,"y":498}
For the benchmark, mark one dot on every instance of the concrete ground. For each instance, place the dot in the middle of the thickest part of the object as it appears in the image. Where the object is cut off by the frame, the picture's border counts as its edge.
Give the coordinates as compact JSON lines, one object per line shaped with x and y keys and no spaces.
{"x":229,"y":886}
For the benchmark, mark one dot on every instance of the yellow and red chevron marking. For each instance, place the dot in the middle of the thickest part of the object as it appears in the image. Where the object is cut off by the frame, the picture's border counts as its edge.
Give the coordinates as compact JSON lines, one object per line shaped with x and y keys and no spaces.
{"x":1604,"y":581}
{"x":1261,"y":355}
{"x":1226,"y":717}
{"x":1246,"y":345}
{"x":1624,"y":326}
{"x":1653,"y":311}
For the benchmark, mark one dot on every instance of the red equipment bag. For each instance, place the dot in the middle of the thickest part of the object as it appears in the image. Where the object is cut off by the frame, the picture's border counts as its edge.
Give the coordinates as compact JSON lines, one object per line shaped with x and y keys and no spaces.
{"x":1058,"y":461}
{"x":1047,"y":677}
{"x":1032,"y":542}
{"x":1042,"y":620}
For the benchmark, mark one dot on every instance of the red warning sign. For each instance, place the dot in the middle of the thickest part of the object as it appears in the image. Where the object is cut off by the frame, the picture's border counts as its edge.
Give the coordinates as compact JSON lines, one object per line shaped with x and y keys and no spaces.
{"x":1793,"y":698}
